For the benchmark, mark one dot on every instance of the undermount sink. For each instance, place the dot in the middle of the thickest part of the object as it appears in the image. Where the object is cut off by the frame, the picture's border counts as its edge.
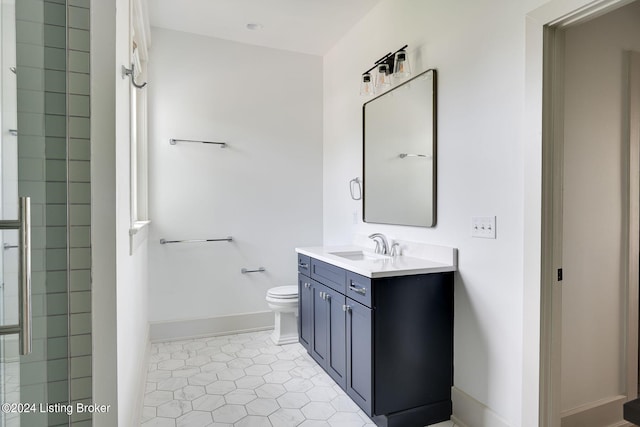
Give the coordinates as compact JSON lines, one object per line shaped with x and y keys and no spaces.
{"x":359,"y":255}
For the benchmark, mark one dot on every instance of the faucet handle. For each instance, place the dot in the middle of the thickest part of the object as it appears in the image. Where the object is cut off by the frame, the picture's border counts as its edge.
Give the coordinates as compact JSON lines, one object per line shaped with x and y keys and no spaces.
{"x":377,"y":249}
{"x":395,"y":249}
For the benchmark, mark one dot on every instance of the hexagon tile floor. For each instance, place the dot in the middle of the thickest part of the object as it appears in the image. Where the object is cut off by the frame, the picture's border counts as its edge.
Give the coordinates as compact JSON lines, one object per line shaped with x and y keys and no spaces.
{"x":243,"y":380}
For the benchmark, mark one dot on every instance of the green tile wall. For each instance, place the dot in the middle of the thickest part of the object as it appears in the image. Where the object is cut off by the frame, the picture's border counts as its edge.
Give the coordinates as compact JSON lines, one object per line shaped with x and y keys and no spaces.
{"x":54,"y":169}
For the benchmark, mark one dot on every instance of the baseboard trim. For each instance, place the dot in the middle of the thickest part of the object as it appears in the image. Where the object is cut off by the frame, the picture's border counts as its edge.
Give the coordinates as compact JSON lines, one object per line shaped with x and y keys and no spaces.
{"x":220,"y":325}
{"x":468,"y":412}
{"x":604,"y":412}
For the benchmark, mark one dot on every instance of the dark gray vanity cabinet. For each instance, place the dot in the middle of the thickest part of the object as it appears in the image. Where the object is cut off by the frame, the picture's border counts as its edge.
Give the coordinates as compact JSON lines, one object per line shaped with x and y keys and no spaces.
{"x":388,"y":342}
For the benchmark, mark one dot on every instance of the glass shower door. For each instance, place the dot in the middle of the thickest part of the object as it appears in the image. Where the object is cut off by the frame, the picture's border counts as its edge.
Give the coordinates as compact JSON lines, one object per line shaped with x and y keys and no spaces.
{"x":9,"y":345}
{"x":15,"y":236}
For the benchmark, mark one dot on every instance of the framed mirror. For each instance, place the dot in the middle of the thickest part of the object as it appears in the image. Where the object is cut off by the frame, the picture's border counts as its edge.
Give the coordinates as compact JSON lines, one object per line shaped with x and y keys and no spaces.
{"x":399,"y":149}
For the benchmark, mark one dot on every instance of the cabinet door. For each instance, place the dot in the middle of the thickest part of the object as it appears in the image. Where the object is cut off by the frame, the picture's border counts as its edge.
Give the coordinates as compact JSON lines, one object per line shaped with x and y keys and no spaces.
{"x":336,"y":350}
{"x":305,"y":311}
{"x":359,"y":355}
{"x":319,"y":324}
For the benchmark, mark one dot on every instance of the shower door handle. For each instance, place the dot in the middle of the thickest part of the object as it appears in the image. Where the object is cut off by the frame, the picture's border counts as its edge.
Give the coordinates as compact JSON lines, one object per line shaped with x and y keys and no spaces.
{"x":24,"y":326}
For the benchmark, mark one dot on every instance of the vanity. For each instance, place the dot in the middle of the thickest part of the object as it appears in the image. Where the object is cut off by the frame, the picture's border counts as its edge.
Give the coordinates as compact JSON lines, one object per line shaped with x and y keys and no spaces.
{"x":382,"y":328}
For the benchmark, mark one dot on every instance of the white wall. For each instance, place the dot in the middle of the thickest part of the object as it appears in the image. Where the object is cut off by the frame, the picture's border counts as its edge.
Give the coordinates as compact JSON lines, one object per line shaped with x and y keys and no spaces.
{"x":595,"y":158}
{"x":264,"y":189}
{"x":120,"y":319}
{"x":478,"y":50}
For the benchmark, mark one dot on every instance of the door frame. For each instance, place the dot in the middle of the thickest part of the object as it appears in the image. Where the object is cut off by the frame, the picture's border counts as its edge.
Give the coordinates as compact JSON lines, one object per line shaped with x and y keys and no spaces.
{"x":543,"y":205}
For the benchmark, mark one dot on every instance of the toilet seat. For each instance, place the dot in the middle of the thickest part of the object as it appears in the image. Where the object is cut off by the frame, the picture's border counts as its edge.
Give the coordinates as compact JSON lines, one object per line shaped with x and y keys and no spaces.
{"x":283,"y":292}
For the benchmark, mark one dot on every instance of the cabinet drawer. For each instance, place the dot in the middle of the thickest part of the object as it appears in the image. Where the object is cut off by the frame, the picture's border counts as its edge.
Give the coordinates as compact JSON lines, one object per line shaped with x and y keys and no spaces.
{"x":359,"y":288}
{"x":304,"y":264}
{"x":329,"y":275}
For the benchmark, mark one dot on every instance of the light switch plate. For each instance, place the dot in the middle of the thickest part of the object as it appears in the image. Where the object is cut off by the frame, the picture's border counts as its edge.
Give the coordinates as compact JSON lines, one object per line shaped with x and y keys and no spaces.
{"x":483,"y":227}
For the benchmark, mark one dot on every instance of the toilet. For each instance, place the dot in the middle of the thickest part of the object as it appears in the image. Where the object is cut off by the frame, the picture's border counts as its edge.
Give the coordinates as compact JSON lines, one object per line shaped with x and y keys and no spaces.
{"x":283,"y":300}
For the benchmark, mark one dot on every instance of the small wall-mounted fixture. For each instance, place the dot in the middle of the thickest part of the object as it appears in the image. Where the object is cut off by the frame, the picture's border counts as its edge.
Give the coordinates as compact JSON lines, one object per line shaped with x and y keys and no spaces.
{"x":131,"y":72}
{"x":378,"y":78}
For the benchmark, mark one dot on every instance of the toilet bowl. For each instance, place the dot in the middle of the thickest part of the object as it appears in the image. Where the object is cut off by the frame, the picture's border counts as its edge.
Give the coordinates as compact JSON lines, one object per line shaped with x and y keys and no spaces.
{"x":283,"y":300}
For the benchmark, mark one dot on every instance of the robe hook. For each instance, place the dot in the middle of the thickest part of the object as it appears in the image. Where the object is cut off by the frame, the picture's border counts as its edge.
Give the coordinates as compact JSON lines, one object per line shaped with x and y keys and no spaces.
{"x":130,"y":72}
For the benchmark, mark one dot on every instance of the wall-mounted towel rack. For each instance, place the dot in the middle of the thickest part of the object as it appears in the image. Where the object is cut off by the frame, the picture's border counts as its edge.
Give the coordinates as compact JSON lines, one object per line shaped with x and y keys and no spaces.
{"x":403,"y":155}
{"x":165,"y":241}
{"x":173,"y":141}
{"x":259,"y":270}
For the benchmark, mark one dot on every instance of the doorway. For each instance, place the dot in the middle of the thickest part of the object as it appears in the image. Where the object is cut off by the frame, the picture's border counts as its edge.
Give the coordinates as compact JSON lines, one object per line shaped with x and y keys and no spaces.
{"x":590,"y":283}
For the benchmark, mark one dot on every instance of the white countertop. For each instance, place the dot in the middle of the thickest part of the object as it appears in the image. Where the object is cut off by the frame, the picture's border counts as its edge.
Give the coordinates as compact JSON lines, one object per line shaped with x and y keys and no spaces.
{"x":379,"y":267}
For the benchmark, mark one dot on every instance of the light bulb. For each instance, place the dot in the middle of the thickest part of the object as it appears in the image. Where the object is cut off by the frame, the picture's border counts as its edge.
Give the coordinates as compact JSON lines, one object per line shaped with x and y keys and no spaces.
{"x":382,"y":79}
{"x":401,"y":68}
{"x":366,"y":85}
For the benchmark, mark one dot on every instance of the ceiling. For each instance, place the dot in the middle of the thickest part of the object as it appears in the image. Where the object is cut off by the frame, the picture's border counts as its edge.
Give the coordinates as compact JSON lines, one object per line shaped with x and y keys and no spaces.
{"x":307,"y":26}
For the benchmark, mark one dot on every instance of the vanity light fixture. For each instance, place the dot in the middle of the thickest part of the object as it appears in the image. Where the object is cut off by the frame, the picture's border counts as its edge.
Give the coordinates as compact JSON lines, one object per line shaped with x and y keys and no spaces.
{"x":394,"y":64}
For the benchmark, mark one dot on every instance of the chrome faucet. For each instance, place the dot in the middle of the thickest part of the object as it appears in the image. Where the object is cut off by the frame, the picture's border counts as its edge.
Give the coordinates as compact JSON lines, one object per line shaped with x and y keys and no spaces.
{"x":382,"y":246}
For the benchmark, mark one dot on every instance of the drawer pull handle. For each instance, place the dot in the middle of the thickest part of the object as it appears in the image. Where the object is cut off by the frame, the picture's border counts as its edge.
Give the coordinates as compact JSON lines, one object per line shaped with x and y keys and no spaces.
{"x":354,"y":288}
{"x":303,"y":265}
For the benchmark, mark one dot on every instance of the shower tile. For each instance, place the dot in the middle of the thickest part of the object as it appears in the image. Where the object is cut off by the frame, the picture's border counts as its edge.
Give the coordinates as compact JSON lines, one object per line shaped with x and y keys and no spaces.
{"x":56,"y":237}
{"x":80,"y":127}
{"x":80,"y":302}
{"x":56,"y":281}
{"x":55,"y":103}
{"x":80,"y":280}
{"x":57,"y":326}
{"x":55,"y":14}
{"x":79,"y":149}
{"x":55,"y":126}
{"x":56,"y":192}
{"x":80,"y":192}
{"x":79,"y":105}
{"x":56,"y":170}
{"x":31,"y":101}
{"x":79,"y":171}
{"x":80,"y":322}
{"x":32,"y":146}
{"x":80,"y":366}
{"x":79,"y":40}
{"x":80,"y":388}
{"x":57,"y":304}
{"x":80,"y":345}
{"x":29,"y":32}
{"x":55,"y":36}
{"x":56,"y":81}
{"x":33,"y":373}
{"x":80,"y":237}
{"x":30,"y":169}
{"x":80,"y":3}
{"x":79,"y":61}
{"x":30,"y":55}
{"x":32,"y":393}
{"x":80,"y":258}
{"x":56,"y":148}
{"x":79,"y":18}
{"x":57,"y":391}
{"x":54,"y":59}
{"x":80,"y":215}
{"x":57,"y":348}
{"x":79,"y":84}
{"x":56,"y":259}
{"x":30,"y":78}
{"x":31,"y":123}
{"x":56,"y":214}
{"x":57,"y":369}
{"x":30,"y":10}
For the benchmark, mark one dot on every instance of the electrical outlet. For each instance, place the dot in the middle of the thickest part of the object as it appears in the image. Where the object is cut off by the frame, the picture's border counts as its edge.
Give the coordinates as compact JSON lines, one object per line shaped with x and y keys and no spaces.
{"x":483,"y":227}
